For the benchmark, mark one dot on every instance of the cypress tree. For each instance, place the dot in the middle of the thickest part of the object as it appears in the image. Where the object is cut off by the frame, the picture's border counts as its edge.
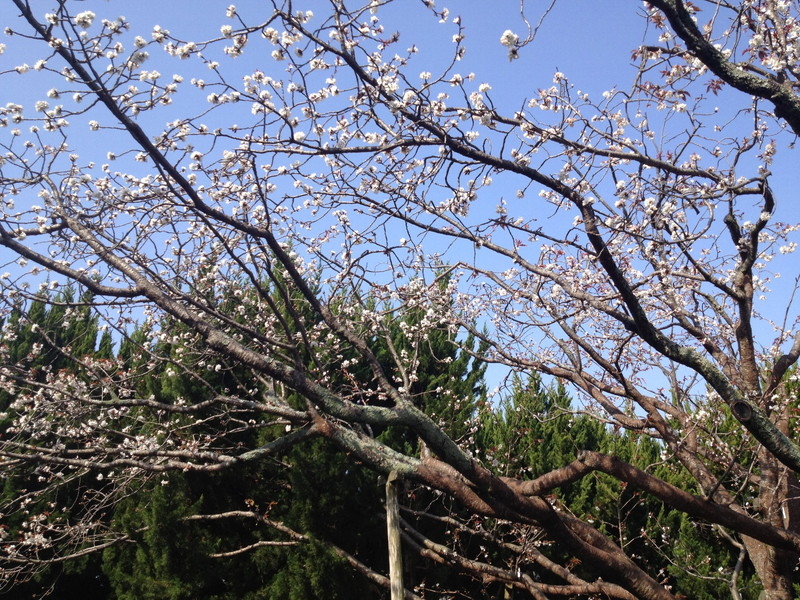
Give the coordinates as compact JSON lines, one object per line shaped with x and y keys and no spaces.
{"x":314,"y":489}
{"x":164,"y":557}
{"x":42,"y":338}
{"x":536,"y":430}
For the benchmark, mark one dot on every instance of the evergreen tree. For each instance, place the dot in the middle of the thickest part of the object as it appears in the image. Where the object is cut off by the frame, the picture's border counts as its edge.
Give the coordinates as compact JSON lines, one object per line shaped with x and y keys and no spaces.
{"x":325,"y":496}
{"x":313,"y":489}
{"x":536,"y":429}
{"x":44,"y":338}
{"x":163,"y":559}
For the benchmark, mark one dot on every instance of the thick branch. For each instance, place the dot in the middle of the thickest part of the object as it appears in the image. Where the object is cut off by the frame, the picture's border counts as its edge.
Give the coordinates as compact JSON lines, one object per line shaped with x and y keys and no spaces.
{"x":787,"y":104}
{"x":698,"y":507}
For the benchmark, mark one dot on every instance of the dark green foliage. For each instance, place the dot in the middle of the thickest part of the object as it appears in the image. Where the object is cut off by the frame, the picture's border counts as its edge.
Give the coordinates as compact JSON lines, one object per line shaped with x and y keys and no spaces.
{"x":314,"y":489}
{"x":312,"y":572}
{"x":164,"y":559}
{"x":44,"y":337}
{"x":536,"y":430}
{"x":450,"y":384}
{"x":331,"y":499}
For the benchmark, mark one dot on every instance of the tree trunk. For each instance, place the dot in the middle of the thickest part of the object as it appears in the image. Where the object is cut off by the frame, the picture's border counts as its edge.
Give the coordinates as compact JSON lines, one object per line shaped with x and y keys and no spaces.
{"x":778,"y":503}
{"x":771,"y":567}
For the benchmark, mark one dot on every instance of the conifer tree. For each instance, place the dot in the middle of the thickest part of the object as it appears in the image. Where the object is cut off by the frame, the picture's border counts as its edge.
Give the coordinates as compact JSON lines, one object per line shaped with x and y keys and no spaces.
{"x":537,"y":429}
{"x":312,"y":489}
{"x":44,"y":338}
{"x":330,"y":500}
{"x":163,"y":556}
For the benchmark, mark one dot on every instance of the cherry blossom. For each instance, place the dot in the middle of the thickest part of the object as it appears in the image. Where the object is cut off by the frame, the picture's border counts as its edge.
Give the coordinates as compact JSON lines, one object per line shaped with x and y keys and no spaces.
{"x":628,"y":242}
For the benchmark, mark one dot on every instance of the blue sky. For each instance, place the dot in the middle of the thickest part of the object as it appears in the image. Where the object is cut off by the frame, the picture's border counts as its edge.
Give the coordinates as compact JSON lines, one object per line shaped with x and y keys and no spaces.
{"x":589,"y":41}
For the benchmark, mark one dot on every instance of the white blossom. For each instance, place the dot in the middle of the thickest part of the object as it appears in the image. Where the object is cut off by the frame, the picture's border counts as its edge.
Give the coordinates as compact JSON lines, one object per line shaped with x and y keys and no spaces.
{"x":509,"y":38}
{"x":84,"y":19}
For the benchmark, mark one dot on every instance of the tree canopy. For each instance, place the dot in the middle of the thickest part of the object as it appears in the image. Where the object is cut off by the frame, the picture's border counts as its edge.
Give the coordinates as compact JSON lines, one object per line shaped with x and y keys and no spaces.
{"x":290,"y":215}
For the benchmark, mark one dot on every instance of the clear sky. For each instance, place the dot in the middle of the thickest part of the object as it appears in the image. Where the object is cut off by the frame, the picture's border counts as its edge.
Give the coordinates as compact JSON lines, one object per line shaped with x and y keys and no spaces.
{"x":591,"y":42}
{"x":560,"y":44}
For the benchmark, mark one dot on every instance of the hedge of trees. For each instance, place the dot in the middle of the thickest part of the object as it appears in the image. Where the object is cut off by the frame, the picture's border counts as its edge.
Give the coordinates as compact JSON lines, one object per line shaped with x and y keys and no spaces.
{"x":311,"y":523}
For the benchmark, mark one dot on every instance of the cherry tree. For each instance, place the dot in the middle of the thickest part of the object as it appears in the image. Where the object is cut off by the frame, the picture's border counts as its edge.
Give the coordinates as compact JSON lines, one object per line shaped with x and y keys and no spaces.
{"x":316,"y":159}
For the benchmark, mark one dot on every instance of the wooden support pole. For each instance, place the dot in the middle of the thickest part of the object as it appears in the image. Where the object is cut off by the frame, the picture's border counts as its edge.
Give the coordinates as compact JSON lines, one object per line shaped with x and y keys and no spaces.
{"x":393,"y":532}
